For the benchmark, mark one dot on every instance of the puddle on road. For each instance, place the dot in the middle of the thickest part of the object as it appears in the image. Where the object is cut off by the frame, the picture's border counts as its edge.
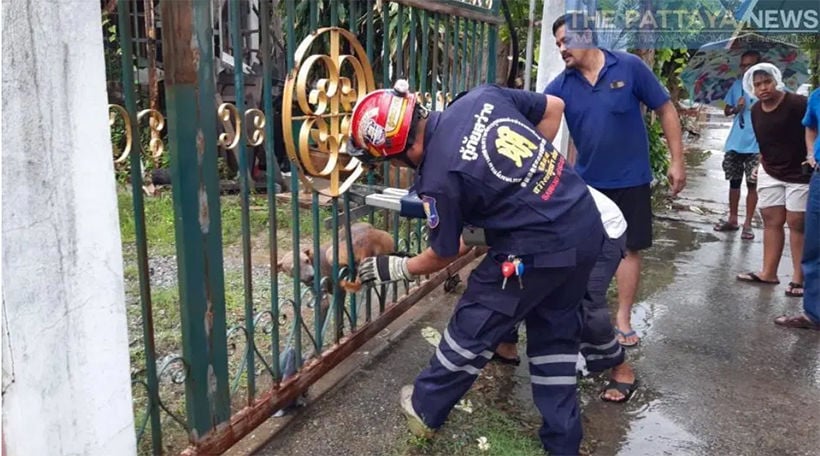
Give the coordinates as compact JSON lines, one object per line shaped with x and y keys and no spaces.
{"x":651,"y":433}
{"x":660,"y":266}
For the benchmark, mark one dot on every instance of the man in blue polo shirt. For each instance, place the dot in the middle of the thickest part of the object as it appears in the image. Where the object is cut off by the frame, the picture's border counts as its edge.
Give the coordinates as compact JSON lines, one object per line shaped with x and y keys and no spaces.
{"x":486,"y":161}
{"x":603,"y":91}
{"x":810,"y":318}
{"x":741,"y":152}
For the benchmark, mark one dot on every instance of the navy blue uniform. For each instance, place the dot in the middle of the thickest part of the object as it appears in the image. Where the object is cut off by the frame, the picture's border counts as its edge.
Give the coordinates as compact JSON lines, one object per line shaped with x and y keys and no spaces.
{"x":486,"y":165}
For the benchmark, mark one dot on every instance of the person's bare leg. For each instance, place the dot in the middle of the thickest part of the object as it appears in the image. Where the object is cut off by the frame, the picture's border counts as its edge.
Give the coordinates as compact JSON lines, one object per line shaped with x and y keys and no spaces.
{"x":734,"y":202}
{"x":796,"y":222}
{"x":621,"y":373}
{"x":751,"y":205}
{"x":628,"y":277}
{"x":774,"y":237}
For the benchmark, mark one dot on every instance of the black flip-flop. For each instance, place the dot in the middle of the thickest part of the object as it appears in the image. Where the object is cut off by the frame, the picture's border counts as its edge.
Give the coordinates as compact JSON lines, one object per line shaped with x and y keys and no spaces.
{"x":753,"y":278}
{"x":627,"y":389}
{"x":504,"y":360}
{"x":723,"y":225}
{"x":795,"y":286}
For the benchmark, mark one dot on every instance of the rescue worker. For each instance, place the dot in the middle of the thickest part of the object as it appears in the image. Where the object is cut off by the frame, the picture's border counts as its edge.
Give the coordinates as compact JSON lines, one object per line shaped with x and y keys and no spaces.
{"x":486,"y":161}
{"x":599,"y":346}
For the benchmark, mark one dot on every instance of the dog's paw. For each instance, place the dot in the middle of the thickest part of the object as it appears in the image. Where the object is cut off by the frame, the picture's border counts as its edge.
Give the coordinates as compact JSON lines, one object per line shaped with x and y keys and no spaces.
{"x":350,"y":287}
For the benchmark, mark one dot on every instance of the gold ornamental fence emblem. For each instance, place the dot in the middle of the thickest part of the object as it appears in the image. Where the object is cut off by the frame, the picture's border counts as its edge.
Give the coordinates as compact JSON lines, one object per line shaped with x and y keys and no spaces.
{"x":319,"y":96}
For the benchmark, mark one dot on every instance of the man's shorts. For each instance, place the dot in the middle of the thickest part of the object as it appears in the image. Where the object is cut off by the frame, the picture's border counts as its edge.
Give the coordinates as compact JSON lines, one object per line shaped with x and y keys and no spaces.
{"x":774,"y":192}
{"x":636,"y":205}
{"x":735,"y":165}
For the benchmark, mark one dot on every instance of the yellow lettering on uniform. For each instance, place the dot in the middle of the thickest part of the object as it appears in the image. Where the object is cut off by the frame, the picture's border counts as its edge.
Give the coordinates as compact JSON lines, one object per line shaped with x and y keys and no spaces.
{"x":513,"y":146}
{"x":550,"y":170}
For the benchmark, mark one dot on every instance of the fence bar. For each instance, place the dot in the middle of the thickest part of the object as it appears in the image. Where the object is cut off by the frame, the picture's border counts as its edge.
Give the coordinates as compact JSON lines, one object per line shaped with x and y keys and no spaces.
{"x":271,"y":160}
{"x":244,"y":191}
{"x":386,"y":46}
{"x":434,"y":68}
{"x":480,"y":54}
{"x":338,"y":302}
{"x":369,"y":25}
{"x":475,"y":70}
{"x":351,"y":17}
{"x":412,"y":39}
{"x":314,"y":15}
{"x":351,"y":267}
{"x":386,"y":81}
{"x":294,"y":195}
{"x":190,"y":93}
{"x":247,"y":419}
{"x":456,"y":84}
{"x":126,"y":44}
{"x":371,"y":177}
{"x":318,"y":289}
{"x":425,"y":52}
{"x":491,"y":44}
{"x":445,"y":71}
{"x":528,"y":61}
{"x":399,"y":42}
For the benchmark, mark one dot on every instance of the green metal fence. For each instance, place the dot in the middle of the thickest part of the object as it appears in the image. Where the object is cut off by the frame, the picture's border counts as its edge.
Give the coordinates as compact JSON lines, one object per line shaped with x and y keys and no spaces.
{"x":229,"y":74}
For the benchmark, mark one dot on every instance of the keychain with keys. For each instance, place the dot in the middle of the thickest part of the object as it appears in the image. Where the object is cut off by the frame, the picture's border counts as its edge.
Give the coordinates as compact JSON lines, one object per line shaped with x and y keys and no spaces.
{"x":508,"y":268}
{"x":519,"y":271}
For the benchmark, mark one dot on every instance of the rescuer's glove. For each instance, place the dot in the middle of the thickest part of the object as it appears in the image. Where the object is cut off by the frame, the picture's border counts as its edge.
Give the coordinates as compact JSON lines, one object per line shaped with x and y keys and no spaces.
{"x":384,"y":268}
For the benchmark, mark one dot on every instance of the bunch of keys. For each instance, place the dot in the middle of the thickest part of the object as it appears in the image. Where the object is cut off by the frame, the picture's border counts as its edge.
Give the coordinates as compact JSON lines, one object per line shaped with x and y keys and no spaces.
{"x":512,"y":266}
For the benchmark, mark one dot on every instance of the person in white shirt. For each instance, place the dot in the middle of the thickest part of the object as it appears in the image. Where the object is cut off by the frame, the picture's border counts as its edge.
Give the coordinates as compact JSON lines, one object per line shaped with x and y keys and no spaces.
{"x":599,"y":346}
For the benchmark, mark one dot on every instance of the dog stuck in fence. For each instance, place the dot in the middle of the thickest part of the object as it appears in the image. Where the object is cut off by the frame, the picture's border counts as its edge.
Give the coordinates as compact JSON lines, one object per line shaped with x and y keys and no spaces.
{"x":367,"y":241}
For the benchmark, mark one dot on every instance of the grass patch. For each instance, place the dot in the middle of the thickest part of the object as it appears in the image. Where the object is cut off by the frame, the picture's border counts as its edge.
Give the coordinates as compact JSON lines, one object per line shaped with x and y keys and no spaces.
{"x":159,"y":220}
{"x":506,"y":434}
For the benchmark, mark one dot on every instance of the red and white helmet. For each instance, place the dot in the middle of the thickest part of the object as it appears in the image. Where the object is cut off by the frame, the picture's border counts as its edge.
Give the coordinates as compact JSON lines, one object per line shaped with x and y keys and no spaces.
{"x":382,"y":123}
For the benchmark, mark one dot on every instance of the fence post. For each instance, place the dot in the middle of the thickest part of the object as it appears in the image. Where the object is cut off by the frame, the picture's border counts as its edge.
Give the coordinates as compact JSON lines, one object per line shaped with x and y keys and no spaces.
{"x":492,"y":43}
{"x":190,"y":88}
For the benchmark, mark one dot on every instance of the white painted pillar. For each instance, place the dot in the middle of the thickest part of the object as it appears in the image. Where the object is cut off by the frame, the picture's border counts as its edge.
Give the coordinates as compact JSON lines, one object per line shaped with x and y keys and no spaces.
{"x":550,"y":63}
{"x":66,"y":382}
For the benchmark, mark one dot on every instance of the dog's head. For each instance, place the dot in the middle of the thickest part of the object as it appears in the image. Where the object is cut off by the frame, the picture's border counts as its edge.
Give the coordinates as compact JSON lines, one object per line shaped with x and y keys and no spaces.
{"x":306,"y":271}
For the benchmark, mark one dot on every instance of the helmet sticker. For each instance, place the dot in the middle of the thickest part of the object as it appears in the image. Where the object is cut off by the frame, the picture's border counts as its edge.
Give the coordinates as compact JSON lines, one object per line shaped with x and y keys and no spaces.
{"x":395,"y":113}
{"x":372,"y":133}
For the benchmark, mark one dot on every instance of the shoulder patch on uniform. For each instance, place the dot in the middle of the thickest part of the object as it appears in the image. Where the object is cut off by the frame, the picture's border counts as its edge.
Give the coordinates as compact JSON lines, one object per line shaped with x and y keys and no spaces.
{"x":430,"y":210}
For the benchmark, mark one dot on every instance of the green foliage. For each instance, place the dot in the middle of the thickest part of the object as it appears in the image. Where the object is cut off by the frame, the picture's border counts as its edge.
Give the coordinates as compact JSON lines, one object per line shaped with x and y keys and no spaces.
{"x":658,"y":150}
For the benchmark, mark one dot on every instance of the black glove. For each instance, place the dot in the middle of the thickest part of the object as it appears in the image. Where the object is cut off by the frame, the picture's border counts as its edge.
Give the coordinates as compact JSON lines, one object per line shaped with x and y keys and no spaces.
{"x":384,"y":268}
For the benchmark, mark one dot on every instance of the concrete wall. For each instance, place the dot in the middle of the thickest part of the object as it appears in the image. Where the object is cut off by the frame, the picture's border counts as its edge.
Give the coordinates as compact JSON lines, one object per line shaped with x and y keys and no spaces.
{"x":66,"y":382}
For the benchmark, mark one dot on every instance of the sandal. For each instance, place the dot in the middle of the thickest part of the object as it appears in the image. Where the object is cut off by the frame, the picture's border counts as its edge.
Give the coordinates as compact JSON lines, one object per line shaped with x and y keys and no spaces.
{"x":790,"y":291}
{"x":723,"y":225}
{"x":627,"y":389}
{"x":747,"y":234}
{"x":797,"y":321}
{"x":623,"y":335}
{"x":754,"y":278}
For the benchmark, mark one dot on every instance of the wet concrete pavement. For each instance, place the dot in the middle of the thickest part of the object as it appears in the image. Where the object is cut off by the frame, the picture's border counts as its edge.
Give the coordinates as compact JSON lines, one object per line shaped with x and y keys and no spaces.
{"x":717,"y":376}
